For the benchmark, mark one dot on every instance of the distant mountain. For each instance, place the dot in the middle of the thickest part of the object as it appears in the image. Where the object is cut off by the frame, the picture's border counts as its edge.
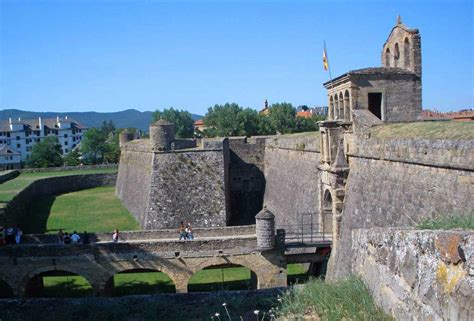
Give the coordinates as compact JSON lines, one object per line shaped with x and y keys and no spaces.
{"x":121,"y":119}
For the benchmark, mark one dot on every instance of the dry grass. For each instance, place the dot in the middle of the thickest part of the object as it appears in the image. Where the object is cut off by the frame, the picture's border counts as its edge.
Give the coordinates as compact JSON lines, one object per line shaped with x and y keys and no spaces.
{"x":452,"y":130}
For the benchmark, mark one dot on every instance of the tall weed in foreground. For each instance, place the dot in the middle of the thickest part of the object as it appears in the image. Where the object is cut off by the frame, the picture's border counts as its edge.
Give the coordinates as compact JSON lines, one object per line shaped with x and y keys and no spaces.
{"x":465,"y":221}
{"x":347,"y":299}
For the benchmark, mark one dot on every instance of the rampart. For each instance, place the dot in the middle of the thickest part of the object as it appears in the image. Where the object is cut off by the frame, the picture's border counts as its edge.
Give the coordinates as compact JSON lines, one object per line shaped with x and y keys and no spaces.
{"x":398,"y":183}
{"x":417,"y":275}
{"x":292,"y":177}
{"x":162,"y":188}
{"x":17,"y":210}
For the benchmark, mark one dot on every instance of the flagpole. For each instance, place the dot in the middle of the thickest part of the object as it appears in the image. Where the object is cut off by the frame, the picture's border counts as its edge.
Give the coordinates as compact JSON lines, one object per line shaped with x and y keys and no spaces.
{"x":330,"y":79}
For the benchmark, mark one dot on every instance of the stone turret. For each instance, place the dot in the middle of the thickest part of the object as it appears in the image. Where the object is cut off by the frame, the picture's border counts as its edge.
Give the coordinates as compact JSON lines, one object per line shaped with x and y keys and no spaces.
{"x":161,"y":135}
{"x":265,"y":228}
{"x":125,"y":136}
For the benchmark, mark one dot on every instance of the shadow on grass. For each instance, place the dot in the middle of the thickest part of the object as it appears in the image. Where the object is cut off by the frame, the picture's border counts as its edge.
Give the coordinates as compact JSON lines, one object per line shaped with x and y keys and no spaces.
{"x":36,"y":220}
{"x":298,"y":278}
{"x":65,"y":288}
{"x":220,"y":286}
{"x":141,"y":287}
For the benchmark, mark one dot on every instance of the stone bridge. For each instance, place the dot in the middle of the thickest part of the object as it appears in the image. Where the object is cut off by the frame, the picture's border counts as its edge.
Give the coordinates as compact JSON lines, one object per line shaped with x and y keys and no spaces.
{"x":22,"y":266}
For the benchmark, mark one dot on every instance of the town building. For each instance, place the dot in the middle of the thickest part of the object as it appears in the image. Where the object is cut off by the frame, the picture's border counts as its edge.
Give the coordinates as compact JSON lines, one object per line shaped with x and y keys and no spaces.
{"x":17,"y":137}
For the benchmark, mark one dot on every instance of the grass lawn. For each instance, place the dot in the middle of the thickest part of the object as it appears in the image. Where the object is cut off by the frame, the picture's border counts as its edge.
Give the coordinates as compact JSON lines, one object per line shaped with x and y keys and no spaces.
{"x":92,"y":210}
{"x":231,"y":278}
{"x":348,"y":299}
{"x":10,"y":188}
{"x":428,"y":130}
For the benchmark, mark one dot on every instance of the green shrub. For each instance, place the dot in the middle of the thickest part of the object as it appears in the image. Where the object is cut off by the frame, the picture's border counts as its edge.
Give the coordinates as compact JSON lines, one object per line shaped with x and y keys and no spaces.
{"x":448,"y":222}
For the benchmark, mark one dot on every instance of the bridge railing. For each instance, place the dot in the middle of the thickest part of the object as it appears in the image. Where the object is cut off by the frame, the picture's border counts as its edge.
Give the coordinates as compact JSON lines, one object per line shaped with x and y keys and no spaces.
{"x":294,"y":234}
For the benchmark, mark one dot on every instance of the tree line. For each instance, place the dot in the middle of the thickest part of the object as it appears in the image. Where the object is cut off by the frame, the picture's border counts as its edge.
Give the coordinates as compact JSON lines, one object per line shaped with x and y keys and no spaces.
{"x":231,"y":119}
{"x":101,"y":145}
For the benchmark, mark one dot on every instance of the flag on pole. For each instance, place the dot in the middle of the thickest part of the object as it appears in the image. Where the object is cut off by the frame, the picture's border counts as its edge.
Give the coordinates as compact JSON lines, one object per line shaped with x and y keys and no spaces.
{"x":325,"y":59}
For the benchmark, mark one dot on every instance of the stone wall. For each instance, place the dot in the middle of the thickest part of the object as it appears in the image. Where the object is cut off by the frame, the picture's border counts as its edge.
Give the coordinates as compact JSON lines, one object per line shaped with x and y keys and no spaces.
{"x":246,"y":178}
{"x":148,"y":235}
{"x":17,"y":210}
{"x":401,"y":95}
{"x":399,"y":184}
{"x":67,"y":168}
{"x":417,"y":275}
{"x":458,"y":154}
{"x":193,"y":306}
{"x":134,"y":177}
{"x":292,"y":177}
{"x":188,"y":186}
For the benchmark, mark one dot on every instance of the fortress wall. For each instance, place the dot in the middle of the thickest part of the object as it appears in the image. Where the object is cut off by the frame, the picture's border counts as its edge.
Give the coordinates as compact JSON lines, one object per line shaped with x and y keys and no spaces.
{"x":190,"y":186}
{"x":388,"y":192}
{"x":440,"y":153}
{"x":246,"y":178}
{"x":16,"y":211}
{"x":417,"y":275}
{"x":292,"y":177}
{"x":133,"y":180}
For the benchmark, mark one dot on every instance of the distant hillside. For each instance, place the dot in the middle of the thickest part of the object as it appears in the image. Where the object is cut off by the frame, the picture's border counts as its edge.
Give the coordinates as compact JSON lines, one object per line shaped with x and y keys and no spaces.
{"x":121,"y":119}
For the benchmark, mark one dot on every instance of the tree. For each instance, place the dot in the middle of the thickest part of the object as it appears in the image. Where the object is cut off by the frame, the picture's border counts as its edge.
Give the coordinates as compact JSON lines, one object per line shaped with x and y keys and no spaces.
{"x":94,"y":145}
{"x":231,"y":120}
{"x":282,"y":118}
{"x":73,"y":158}
{"x":182,"y":120}
{"x":308,"y":124}
{"x":46,"y":153}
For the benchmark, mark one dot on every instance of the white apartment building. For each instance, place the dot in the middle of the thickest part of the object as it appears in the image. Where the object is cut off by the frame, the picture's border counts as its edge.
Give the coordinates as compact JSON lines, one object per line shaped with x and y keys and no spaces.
{"x":21,"y":135}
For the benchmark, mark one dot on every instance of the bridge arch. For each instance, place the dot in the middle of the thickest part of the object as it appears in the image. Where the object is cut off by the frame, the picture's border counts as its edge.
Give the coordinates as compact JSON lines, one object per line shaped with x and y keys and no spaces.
{"x":216,"y":274}
{"x":139,"y":280}
{"x":32,"y":284}
{"x":6,"y":290}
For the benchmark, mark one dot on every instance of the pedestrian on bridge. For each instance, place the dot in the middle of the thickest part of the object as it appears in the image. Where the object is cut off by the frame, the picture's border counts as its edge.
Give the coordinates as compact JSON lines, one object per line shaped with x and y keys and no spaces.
{"x":115,"y":236}
{"x":182,"y":231}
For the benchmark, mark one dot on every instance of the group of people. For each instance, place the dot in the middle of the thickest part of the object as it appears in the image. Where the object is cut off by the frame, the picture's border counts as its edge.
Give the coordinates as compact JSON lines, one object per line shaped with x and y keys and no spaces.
{"x":10,"y":235}
{"x":185,"y":231}
{"x":74,"y":238}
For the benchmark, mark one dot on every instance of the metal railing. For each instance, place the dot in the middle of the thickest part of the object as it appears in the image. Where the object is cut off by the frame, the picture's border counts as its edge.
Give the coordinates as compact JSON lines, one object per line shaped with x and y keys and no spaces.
{"x":308,"y":231}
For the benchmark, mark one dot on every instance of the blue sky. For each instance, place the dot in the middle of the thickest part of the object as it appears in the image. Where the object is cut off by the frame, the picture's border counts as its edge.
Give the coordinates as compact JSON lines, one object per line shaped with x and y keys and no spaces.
{"x":80,"y":55}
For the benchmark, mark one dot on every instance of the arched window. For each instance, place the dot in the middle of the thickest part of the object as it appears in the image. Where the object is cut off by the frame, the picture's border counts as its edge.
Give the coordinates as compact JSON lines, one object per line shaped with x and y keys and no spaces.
{"x":341,"y":106}
{"x":347,"y":107}
{"x":331,"y":108}
{"x":387,"y":57}
{"x":396,"y":55}
{"x":336,"y":107}
{"x":406,"y":52}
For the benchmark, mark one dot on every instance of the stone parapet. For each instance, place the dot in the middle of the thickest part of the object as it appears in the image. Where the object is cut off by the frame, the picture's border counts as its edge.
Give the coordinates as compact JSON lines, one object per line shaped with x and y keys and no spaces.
{"x":458,"y":154}
{"x":417,"y":275}
{"x":148,"y":234}
{"x":67,"y":168}
{"x":298,"y":142}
